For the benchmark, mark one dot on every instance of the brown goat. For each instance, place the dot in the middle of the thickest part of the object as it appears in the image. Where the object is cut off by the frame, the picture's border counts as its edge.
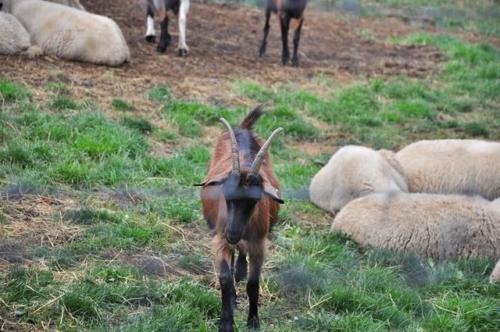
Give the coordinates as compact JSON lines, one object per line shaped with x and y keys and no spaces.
{"x":240,"y":198}
{"x":286,"y":10}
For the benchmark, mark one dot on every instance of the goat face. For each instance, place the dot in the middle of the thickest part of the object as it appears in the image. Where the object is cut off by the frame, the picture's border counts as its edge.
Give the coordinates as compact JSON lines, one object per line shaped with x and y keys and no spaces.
{"x":242,"y":193}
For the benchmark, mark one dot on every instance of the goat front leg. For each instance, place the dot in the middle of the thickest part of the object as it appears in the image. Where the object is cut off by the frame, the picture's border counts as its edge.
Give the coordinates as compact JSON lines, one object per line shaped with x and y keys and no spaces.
{"x":150,"y":23}
{"x":183,"y":11}
{"x":285,"y":26}
{"x":256,"y":258}
{"x":263,"y":45}
{"x":164,"y":36}
{"x":228,"y":292}
{"x":296,"y":40}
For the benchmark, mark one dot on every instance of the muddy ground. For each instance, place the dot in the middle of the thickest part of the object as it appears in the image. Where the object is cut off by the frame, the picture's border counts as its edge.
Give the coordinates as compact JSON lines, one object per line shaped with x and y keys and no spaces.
{"x":223,"y":43}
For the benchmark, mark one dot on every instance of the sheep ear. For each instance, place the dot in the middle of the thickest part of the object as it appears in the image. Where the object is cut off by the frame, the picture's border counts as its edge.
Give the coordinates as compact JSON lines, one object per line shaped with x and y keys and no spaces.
{"x":272,"y":192}
{"x":214,"y":181}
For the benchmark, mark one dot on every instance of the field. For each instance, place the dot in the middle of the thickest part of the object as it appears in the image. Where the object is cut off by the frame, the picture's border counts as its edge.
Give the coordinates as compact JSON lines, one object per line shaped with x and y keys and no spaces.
{"x":100,"y":225}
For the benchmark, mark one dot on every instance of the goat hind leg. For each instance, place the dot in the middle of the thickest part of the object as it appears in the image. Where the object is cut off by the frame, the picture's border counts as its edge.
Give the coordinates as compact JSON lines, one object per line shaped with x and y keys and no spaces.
{"x":263,"y":45}
{"x":164,"y":36}
{"x":296,"y":40}
{"x":150,"y":22}
{"x":285,"y":26}
{"x":183,"y":49}
{"x":241,"y":269}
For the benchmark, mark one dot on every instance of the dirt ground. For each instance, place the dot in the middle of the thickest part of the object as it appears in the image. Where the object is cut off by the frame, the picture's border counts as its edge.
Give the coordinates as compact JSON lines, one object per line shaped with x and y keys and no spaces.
{"x":223,"y":43}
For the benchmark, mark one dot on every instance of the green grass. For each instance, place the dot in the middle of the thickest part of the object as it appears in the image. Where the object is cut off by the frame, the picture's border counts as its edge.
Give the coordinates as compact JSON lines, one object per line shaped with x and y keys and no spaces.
{"x":122,"y":106}
{"x":479,"y":17}
{"x":12,"y":92}
{"x":62,"y":103}
{"x":133,"y":252}
{"x":381,"y":113}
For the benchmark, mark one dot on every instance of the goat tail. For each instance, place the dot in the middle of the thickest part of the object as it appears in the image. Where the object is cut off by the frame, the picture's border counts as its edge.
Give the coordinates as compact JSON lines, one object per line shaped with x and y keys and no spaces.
{"x":251,"y":118}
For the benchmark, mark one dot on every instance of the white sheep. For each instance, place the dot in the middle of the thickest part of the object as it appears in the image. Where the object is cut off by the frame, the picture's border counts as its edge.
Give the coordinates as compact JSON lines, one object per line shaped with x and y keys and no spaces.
{"x":495,"y":275}
{"x":352,"y":172}
{"x":71,"y":3}
{"x":452,"y":167}
{"x":431,"y":225}
{"x":13,"y":36}
{"x":70,"y":33}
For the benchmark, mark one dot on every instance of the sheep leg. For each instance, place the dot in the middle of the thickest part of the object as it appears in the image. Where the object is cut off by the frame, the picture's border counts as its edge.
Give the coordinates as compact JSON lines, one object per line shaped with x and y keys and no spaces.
{"x":226,"y":280}
{"x":296,"y":40}
{"x":256,"y":257}
{"x":263,"y":45}
{"x":285,"y":26}
{"x":150,"y":22}
{"x":240,"y":271}
{"x":164,"y":36}
{"x":183,"y":10}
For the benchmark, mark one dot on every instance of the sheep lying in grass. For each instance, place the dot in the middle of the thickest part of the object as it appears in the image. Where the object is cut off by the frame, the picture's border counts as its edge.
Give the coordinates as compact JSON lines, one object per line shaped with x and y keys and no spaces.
{"x":70,"y":33}
{"x":437,"y":226}
{"x":352,"y":172}
{"x":13,"y":36}
{"x":495,"y":275}
{"x":452,"y":167}
{"x":71,"y":3}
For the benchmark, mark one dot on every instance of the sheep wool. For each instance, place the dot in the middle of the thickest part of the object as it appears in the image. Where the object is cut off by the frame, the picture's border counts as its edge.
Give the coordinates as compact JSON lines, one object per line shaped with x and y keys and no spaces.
{"x":437,"y":226}
{"x":70,"y":33}
{"x":71,"y":3}
{"x":13,"y":36}
{"x":352,"y":172}
{"x":452,"y":166}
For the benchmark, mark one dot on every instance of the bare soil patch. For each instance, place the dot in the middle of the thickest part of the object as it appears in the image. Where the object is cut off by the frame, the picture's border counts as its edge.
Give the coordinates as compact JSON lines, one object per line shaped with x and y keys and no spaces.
{"x":32,"y":221}
{"x":223,"y":44}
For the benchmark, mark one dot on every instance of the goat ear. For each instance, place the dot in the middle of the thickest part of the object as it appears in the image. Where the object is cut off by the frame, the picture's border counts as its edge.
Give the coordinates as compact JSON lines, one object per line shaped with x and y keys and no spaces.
{"x":272,"y":192}
{"x":214,"y":181}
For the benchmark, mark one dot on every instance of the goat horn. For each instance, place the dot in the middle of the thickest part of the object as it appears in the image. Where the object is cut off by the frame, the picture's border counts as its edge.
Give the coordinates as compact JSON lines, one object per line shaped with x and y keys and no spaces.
{"x":259,"y":159}
{"x":234,"y":147}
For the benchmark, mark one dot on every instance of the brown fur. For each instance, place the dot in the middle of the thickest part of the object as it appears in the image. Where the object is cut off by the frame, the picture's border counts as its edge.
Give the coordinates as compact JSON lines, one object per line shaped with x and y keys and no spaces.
{"x":214,"y":205}
{"x":265,"y":213}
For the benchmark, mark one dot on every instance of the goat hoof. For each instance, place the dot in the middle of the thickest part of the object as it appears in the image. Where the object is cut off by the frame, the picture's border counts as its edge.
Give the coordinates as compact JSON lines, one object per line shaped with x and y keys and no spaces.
{"x":226,"y":327}
{"x":284,"y":59}
{"x":161,"y":48}
{"x":182,"y":52}
{"x":295,"y":62}
{"x":262,"y":51}
{"x":253,"y":323}
{"x":150,"y":39}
